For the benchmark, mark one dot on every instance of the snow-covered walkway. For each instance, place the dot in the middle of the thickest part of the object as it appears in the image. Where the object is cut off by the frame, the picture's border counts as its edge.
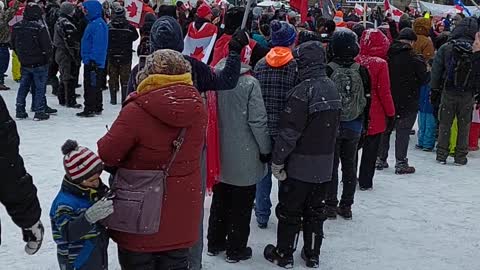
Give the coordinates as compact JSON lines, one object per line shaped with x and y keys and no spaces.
{"x":429,"y":220}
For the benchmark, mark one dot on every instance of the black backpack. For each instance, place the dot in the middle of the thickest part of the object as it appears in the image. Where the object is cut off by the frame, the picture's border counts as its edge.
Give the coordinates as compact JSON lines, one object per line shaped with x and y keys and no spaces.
{"x":459,"y":66}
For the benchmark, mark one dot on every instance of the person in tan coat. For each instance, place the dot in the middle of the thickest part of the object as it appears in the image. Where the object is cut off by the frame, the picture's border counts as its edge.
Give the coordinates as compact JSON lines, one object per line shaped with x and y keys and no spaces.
{"x":424,"y":44}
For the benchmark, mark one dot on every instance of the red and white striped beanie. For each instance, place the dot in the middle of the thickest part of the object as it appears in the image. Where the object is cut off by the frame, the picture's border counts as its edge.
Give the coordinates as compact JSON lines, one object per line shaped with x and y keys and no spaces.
{"x":80,"y":163}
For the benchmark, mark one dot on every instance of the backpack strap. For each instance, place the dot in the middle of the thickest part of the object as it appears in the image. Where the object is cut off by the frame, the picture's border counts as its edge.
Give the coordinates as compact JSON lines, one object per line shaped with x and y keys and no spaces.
{"x":333,"y":65}
{"x":177,"y":145}
{"x":355,"y":66}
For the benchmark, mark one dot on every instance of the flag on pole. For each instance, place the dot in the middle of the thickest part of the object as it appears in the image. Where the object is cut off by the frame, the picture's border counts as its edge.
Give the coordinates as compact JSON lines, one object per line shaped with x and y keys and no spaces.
{"x":199,"y":42}
{"x":396,"y":13}
{"x":302,"y":7}
{"x":133,"y":10}
{"x":461,"y":7}
{"x":359,"y":9}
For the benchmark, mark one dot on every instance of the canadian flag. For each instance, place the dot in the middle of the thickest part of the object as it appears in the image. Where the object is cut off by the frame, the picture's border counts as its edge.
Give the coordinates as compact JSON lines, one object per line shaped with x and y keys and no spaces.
{"x":359,"y":9}
{"x":199,"y":43}
{"x":396,"y":13}
{"x":133,"y":10}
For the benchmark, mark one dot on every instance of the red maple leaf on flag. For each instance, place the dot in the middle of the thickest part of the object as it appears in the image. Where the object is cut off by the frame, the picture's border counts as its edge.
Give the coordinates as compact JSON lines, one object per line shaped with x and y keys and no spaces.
{"x":132,"y":10}
{"x":198,"y":53}
{"x":397,"y":12}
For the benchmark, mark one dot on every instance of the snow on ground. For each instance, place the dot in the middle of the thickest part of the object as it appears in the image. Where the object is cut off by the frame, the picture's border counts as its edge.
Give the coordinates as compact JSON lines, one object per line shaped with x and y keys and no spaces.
{"x":428,"y":220}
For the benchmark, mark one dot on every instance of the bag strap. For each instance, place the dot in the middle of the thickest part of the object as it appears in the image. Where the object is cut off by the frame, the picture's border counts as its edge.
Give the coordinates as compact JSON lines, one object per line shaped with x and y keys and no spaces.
{"x":177,"y":145}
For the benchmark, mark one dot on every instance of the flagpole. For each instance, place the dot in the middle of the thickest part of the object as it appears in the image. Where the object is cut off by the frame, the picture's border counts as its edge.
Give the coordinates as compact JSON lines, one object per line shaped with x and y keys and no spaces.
{"x":365,"y":14}
{"x":247,"y":11}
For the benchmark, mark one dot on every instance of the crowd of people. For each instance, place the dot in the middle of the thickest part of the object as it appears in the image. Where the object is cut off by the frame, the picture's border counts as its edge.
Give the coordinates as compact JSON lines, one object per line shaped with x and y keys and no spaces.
{"x":277,"y":98}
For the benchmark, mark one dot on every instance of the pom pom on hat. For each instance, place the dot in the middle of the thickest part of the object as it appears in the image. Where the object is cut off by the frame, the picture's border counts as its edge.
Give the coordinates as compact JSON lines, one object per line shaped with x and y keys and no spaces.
{"x":80,"y":163}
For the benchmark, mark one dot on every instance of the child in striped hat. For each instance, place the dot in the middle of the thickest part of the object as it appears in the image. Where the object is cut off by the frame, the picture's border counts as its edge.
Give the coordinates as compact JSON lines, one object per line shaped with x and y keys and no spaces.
{"x":81,"y":241}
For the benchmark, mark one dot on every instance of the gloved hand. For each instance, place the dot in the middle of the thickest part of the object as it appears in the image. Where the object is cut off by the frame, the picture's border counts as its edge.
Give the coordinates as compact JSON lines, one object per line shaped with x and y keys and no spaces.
{"x":34,"y":237}
{"x":435,"y":97}
{"x":279,"y":172}
{"x":99,"y":211}
{"x":265,"y":158}
{"x":239,"y":40}
{"x":390,"y":123}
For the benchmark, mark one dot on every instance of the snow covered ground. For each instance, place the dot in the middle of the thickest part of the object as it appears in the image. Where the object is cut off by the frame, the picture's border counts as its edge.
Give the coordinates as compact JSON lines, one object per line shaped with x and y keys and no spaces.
{"x":429,"y":220}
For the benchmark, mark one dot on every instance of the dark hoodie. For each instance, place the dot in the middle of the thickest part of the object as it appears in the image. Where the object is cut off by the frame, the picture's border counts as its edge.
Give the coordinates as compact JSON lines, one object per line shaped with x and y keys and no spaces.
{"x":408,"y":72}
{"x":30,"y":38}
{"x":121,"y":35}
{"x":166,"y":33}
{"x":95,"y":39}
{"x":308,"y":125}
{"x":462,"y":35}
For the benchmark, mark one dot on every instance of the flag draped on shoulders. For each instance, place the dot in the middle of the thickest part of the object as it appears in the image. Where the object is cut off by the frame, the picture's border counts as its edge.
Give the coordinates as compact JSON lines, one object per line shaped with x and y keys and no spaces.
{"x":199,"y":42}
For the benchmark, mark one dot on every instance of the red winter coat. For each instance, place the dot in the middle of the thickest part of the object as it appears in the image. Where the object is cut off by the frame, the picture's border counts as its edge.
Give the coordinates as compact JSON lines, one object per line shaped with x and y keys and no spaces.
{"x":373,"y":52}
{"x":141,"y":138}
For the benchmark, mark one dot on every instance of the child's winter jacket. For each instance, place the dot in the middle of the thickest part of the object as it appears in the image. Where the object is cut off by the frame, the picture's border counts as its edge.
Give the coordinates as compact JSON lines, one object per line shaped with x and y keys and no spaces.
{"x":80,"y":245}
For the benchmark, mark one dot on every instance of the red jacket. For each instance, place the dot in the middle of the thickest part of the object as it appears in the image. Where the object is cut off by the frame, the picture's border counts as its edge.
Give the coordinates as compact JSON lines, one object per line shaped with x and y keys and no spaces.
{"x":373,"y":52}
{"x":141,"y":138}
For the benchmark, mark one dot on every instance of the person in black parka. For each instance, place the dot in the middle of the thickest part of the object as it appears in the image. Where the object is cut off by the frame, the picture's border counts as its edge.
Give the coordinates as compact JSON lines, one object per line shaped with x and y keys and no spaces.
{"x":121,"y":35}
{"x":408,"y":72}
{"x":303,"y":158}
{"x":17,"y":192}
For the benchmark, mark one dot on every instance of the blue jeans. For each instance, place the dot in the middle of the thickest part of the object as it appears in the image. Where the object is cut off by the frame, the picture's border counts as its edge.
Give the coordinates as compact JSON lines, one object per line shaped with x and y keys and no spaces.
{"x":427,"y":127}
{"x":38,"y":77}
{"x":263,"y":204}
{"x":4,"y":60}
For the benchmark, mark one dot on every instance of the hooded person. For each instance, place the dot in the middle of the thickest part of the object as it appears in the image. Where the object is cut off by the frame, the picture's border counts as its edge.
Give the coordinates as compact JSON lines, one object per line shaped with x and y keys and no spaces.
{"x":373,"y":54}
{"x":34,"y":60}
{"x":423,"y":45}
{"x":165,"y":79}
{"x":66,"y":40}
{"x":408,"y":72}
{"x":454,"y":82}
{"x":353,"y":84}
{"x":143,"y":48}
{"x":277,"y":74}
{"x":166,"y":34}
{"x":94,"y":48}
{"x":121,"y":35}
{"x":303,"y":157}
{"x":233,"y":21}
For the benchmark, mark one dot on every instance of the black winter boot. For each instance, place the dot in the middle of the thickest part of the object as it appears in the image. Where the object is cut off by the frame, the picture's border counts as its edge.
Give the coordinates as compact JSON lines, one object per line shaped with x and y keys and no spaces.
{"x":345,"y":212}
{"x":310,"y":261}
{"x":272,"y":254}
{"x":113,"y":96}
{"x":403,"y":168}
{"x":381,"y":164}
{"x":40,"y":116}
{"x":242,"y":255}
{"x":331,"y":212}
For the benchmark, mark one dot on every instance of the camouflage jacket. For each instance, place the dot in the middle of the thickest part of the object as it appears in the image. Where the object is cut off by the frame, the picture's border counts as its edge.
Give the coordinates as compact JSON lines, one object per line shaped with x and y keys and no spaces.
{"x":5,"y":17}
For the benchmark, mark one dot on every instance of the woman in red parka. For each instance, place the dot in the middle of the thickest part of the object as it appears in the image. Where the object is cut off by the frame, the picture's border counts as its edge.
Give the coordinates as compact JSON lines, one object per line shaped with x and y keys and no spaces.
{"x":141,"y":139}
{"x":373,"y":53}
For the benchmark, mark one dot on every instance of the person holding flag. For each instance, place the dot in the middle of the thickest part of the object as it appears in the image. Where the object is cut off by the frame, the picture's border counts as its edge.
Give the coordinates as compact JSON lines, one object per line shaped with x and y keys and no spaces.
{"x":201,"y":35}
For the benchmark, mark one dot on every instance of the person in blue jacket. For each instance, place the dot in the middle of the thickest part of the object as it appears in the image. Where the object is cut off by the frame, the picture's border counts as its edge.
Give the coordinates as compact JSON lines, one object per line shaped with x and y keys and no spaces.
{"x":427,"y":122}
{"x":94,"y":54}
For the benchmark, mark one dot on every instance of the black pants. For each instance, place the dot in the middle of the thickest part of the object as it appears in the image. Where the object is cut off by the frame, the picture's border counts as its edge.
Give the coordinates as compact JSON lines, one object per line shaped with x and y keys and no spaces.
{"x":403,"y":126}
{"x":67,"y":67}
{"x":346,"y":153}
{"x":52,"y":73}
{"x":93,"y":94}
{"x":230,"y":215}
{"x":370,"y":147}
{"x":300,"y":203}
{"x":167,"y":260}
